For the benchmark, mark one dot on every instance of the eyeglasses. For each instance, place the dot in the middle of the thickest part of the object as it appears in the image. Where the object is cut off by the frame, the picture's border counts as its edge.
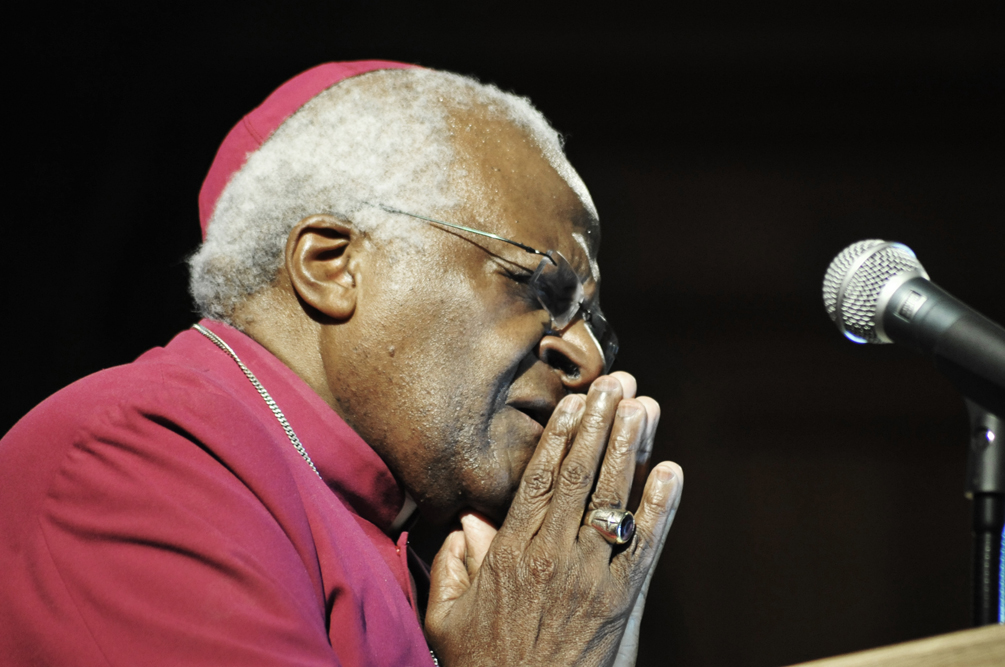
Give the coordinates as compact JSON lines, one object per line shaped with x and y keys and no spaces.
{"x":557,"y":286}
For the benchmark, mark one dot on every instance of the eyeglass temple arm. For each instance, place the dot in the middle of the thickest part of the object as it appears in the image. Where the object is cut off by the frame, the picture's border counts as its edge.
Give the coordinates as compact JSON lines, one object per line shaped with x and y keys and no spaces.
{"x":466,"y":229}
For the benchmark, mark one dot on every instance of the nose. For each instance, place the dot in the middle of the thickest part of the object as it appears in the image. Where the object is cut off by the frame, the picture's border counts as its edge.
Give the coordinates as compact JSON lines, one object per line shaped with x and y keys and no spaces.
{"x":574,"y":354}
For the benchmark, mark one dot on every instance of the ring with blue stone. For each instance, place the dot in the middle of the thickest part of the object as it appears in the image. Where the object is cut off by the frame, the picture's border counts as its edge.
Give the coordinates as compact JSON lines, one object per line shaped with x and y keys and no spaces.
{"x":616,"y":526}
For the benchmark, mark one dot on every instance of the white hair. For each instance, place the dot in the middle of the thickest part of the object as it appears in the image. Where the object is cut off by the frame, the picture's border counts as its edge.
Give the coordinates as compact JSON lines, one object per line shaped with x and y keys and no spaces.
{"x":379,"y":138}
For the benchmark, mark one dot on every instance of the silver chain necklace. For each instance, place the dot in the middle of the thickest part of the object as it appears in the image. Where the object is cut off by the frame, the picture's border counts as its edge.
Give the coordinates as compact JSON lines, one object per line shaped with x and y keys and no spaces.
{"x":294,"y":440}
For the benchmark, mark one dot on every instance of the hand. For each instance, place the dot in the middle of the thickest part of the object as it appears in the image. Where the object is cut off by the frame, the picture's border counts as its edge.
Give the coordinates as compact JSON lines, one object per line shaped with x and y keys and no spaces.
{"x":546,"y":590}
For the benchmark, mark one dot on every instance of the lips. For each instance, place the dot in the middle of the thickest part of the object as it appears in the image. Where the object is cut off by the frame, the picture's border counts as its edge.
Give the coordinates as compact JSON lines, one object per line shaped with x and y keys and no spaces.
{"x":538,"y":409}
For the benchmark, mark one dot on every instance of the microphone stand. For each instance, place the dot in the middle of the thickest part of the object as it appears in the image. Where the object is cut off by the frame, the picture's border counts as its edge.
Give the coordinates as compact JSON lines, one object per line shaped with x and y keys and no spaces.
{"x":985,"y":399}
{"x":986,"y":487}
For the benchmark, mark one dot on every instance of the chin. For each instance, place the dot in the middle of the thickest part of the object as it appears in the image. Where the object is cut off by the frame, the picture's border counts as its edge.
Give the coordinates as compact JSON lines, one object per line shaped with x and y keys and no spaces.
{"x":513,"y":445}
{"x":487,"y":473}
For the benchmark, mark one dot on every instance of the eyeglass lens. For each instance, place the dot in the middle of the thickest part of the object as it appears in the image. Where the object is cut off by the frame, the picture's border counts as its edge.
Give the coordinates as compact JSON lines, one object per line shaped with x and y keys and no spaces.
{"x":558,"y":289}
{"x":561,"y":293}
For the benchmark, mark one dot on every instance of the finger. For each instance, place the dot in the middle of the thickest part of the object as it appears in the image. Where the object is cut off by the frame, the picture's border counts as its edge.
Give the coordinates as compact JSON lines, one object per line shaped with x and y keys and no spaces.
{"x":533,"y":496}
{"x":678,"y":483}
{"x":660,"y":500}
{"x":652,"y":421}
{"x":644,"y":452}
{"x":448,"y":576}
{"x":629,"y":647}
{"x":575,"y":478}
{"x":628,"y":383}
{"x":478,"y":535}
{"x":615,"y":480}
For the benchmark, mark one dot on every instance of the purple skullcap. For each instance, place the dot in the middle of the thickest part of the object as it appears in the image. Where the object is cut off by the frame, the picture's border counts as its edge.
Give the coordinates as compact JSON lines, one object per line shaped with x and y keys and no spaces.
{"x":252,"y":130}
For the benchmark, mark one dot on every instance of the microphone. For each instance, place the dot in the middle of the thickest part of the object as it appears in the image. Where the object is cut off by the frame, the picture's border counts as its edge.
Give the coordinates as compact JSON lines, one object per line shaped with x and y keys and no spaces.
{"x":878,"y":292}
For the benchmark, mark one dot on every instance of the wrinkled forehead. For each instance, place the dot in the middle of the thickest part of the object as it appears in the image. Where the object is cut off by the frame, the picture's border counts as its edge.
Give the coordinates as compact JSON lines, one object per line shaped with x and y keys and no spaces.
{"x":512,"y":186}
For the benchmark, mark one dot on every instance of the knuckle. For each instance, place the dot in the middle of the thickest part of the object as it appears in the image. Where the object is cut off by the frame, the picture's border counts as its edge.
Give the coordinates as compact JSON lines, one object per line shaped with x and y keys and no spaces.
{"x":604,"y":498}
{"x":538,"y":483}
{"x":642,"y":546}
{"x":655,"y":502}
{"x":541,"y":568}
{"x":593,"y":422}
{"x":576,"y":475}
{"x":642,"y":542}
{"x":563,"y":424}
{"x":502,"y":558}
{"x":622,"y":443}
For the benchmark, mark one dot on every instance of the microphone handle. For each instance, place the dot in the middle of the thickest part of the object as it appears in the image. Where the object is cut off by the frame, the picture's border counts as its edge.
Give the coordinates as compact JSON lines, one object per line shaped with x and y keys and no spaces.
{"x":967,"y":346}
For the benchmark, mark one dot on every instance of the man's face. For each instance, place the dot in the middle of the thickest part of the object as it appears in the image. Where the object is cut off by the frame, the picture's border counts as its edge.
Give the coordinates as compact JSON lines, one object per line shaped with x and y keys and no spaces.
{"x":452,"y":369}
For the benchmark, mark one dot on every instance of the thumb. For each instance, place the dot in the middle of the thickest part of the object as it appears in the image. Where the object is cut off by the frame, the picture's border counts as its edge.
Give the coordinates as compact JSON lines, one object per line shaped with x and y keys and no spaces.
{"x":448,"y":576}
{"x":478,"y":535}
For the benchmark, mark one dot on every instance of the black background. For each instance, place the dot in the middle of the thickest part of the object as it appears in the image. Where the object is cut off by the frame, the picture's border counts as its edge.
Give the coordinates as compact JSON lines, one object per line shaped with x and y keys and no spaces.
{"x":732,"y":148}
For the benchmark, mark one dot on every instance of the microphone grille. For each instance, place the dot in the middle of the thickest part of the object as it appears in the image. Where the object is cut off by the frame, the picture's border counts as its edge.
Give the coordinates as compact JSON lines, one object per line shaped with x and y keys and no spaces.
{"x":856,"y":277}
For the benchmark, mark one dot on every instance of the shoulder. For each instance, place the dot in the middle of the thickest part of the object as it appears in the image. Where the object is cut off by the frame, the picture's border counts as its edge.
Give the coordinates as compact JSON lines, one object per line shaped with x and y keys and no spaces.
{"x":158,"y":425}
{"x":113,"y":403}
{"x":149,"y":497}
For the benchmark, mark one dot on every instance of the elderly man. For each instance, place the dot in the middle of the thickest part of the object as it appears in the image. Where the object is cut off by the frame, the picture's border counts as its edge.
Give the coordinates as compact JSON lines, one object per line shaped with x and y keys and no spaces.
{"x":400,"y":288}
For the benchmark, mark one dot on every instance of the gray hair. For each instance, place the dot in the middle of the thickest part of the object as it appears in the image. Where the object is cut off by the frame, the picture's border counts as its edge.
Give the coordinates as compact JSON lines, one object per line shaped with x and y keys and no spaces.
{"x":379,"y":138}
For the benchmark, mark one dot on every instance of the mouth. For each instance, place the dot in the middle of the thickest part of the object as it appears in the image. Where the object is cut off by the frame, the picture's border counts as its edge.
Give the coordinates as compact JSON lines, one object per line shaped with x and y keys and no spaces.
{"x":538,"y":410}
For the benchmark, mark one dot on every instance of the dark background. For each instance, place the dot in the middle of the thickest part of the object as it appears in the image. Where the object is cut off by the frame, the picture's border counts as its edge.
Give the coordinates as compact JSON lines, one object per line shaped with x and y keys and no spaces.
{"x":732,"y":148}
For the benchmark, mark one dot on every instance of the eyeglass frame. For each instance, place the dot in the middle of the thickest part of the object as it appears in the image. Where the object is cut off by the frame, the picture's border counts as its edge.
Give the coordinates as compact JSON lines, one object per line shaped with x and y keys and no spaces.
{"x":589,"y":313}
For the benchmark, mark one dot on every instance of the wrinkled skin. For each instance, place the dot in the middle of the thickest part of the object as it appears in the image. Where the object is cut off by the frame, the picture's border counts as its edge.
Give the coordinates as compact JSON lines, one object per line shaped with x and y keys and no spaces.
{"x":545,"y":590}
{"x":442,"y":360}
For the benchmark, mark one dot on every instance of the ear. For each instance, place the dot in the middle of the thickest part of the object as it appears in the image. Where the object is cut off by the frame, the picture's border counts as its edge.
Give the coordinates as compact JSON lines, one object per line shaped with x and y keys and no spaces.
{"x":319,"y":261}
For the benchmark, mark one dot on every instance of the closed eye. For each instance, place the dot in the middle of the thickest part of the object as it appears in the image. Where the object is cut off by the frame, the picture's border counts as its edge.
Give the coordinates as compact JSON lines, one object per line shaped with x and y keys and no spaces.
{"x":516,"y":272}
{"x":520,"y":278}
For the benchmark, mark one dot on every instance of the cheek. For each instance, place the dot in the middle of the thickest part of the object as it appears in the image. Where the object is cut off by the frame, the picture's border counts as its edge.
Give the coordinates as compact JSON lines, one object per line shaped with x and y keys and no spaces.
{"x":444,"y":362}
{"x":490,"y":473}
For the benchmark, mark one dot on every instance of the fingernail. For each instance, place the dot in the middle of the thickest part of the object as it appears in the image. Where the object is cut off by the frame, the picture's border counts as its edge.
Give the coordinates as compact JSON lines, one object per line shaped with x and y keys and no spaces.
{"x":571,"y":404}
{"x":607,"y":383}
{"x":665,"y":474}
{"x":628,"y":409}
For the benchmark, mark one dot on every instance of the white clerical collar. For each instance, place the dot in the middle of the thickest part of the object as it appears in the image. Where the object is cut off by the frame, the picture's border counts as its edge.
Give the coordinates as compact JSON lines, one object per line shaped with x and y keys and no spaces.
{"x":404,"y":515}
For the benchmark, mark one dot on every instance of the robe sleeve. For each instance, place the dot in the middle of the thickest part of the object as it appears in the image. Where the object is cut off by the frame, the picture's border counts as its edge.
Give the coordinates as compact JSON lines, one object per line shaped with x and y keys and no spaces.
{"x":148,"y":548}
